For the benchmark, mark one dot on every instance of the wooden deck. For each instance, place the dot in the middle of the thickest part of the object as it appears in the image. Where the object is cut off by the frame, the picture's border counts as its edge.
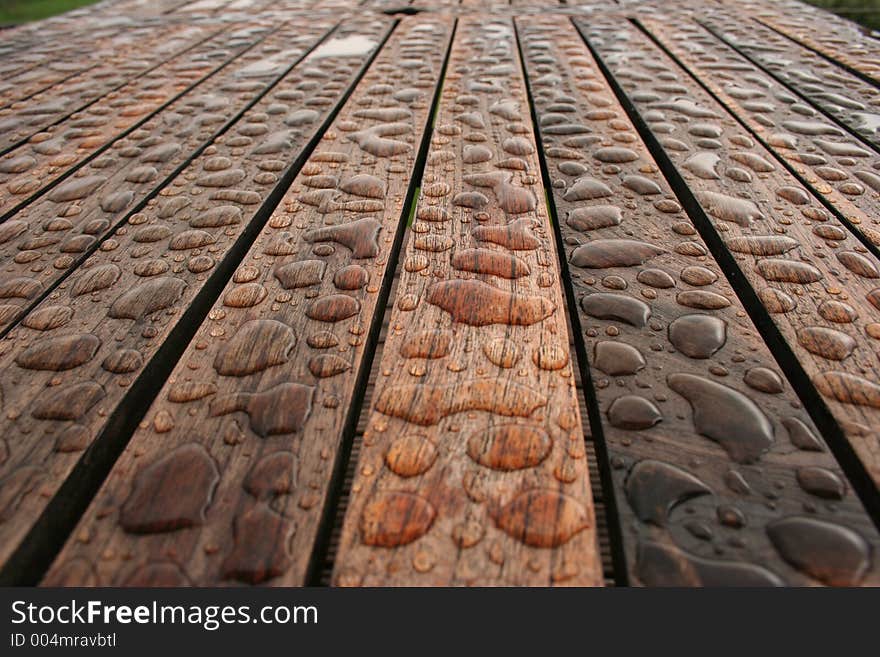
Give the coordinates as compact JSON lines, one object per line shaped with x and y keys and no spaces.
{"x":440,"y":294}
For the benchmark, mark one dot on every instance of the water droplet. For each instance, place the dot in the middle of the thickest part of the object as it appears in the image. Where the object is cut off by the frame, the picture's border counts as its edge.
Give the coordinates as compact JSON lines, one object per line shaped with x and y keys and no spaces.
{"x":171,"y":493}
{"x":477,"y":303}
{"x":279,"y":410}
{"x":833,"y":554}
{"x":698,"y":336}
{"x":428,"y":404}
{"x":256,"y":346}
{"x":509,"y":447}
{"x":410,"y":455}
{"x":653,"y":488}
{"x":603,"y":253}
{"x":392,"y":519}
{"x":726,"y":416}
{"x":633,"y":412}
{"x":617,"y":358}
{"x":59,"y":353}
{"x":543,"y":518}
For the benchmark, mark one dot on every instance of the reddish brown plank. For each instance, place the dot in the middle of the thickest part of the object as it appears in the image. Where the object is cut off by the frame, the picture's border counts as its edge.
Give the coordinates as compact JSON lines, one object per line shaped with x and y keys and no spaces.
{"x":260,"y":398}
{"x":473,"y":468}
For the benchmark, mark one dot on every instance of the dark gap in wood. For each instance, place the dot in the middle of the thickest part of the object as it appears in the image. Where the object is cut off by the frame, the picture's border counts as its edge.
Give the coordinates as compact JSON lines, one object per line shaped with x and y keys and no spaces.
{"x":605,"y":485}
{"x":43,"y":190}
{"x":21,"y":142}
{"x":846,"y":67}
{"x":873,"y":248}
{"x":852,"y":467}
{"x":85,"y":255}
{"x":326,"y":574}
{"x":34,"y":555}
{"x":340,"y":487}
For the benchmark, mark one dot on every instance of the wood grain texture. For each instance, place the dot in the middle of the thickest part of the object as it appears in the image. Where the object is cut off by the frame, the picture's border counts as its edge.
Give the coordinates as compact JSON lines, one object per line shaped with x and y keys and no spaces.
{"x":120,"y":307}
{"x":849,"y":100}
{"x":29,"y":170}
{"x":839,"y":167}
{"x":711,"y":451}
{"x":275,"y":310}
{"x":117,"y":72}
{"x":838,"y":39}
{"x":52,"y":235}
{"x":819,"y":291}
{"x":259,"y":400}
{"x":473,"y":469}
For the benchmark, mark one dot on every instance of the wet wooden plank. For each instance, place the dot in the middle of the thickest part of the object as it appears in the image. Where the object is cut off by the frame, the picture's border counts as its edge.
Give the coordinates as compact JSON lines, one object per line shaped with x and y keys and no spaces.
{"x":854,"y":103}
{"x":819,"y":291}
{"x":34,"y":167}
{"x":473,"y":468}
{"x":714,"y":460}
{"x":126,"y":306}
{"x":834,"y":164}
{"x":51,"y":236}
{"x":835,"y":38}
{"x":261,"y":398}
{"x":21,"y":120}
{"x":52,"y":66}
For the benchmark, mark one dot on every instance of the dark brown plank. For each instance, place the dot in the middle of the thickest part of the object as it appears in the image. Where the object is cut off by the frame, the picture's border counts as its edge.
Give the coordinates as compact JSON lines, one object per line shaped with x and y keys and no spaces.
{"x":126,"y":303}
{"x":260,"y":399}
{"x":25,"y":118}
{"x":473,"y":468}
{"x":851,"y":101}
{"x":706,"y":440}
{"x":51,"y":236}
{"x":834,"y":164}
{"x":818,"y":291}
{"x":30,"y":169}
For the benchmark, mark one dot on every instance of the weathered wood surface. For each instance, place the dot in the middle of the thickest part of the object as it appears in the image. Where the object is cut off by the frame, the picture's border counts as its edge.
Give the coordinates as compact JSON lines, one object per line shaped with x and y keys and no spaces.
{"x":161,"y":261}
{"x":261,"y":399}
{"x":28,"y":171}
{"x":19,"y":121}
{"x":818,"y":285}
{"x":53,"y":234}
{"x":473,"y":469}
{"x":834,"y":164}
{"x":839,"y":40}
{"x":632,"y":334}
{"x":712,"y":452}
{"x":851,"y":101}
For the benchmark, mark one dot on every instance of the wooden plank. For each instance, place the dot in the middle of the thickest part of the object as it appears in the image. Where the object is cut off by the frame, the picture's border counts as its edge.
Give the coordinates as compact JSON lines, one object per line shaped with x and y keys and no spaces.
{"x":835,"y":38}
{"x":54,"y":66}
{"x":29,"y":170}
{"x":851,"y":101}
{"x":833,"y":164}
{"x":262,"y":396}
{"x":817,"y":285}
{"x":131,"y":303}
{"x":701,"y":499}
{"x":24,"y":119}
{"x":51,"y":236}
{"x":473,"y":468}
